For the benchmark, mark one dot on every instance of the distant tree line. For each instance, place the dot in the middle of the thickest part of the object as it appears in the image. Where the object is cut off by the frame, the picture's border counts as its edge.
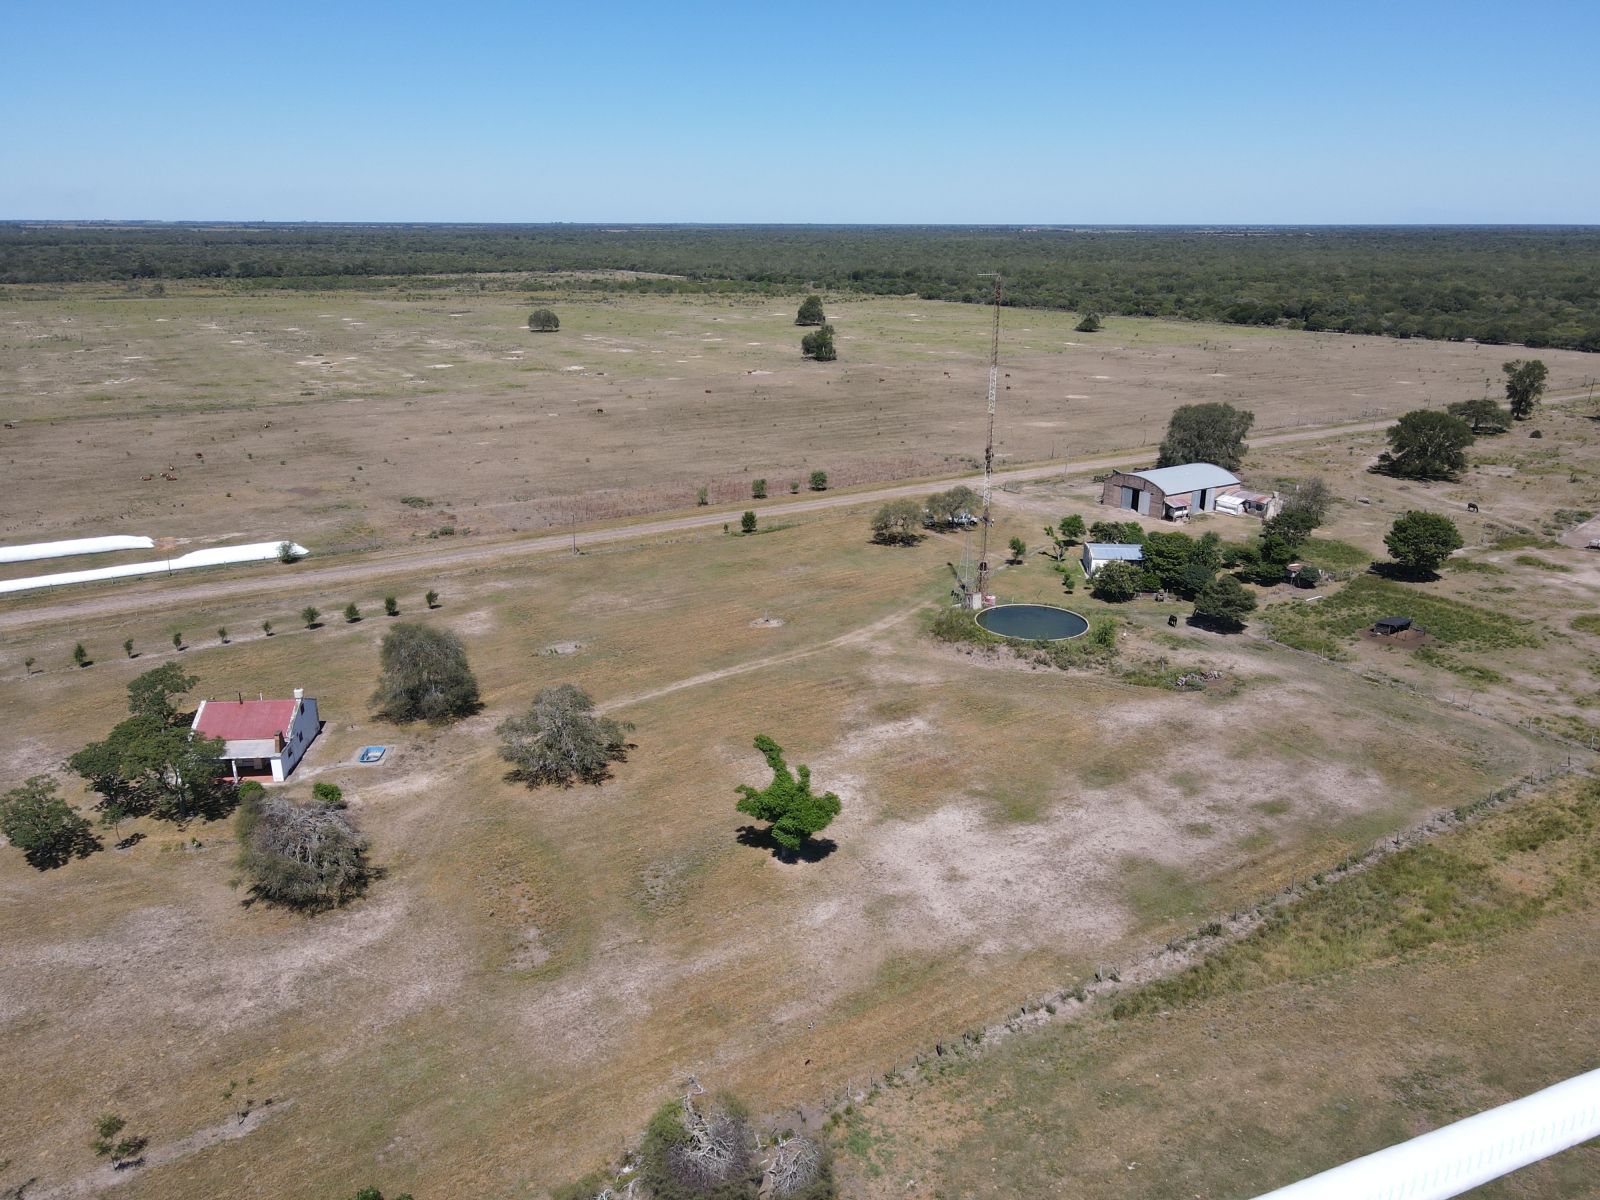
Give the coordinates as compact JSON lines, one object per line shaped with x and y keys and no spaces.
{"x":1537,"y":286}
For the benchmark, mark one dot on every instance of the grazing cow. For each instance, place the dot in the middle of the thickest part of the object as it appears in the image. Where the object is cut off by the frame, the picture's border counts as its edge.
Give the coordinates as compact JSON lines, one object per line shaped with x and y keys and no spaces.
{"x":1471,"y":507}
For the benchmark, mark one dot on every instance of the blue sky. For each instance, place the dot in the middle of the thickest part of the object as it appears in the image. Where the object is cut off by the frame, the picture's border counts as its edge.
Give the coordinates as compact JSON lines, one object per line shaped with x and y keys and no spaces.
{"x":869,"y":112}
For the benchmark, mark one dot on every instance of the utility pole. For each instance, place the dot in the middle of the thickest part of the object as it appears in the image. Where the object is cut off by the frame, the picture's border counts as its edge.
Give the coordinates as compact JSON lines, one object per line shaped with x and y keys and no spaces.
{"x":988,"y":447}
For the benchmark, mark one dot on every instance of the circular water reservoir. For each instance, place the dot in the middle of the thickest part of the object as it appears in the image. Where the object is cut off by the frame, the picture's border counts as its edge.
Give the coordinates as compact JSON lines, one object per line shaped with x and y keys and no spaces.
{"x":1032,"y":622}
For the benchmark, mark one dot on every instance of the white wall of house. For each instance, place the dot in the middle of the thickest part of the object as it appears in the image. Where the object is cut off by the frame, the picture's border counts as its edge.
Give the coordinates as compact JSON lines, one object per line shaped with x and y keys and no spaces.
{"x":302,"y":732}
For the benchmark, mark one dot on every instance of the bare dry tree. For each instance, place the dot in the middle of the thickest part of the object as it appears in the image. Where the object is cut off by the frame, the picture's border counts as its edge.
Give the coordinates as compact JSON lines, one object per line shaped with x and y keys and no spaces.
{"x":717,"y":1147}
{"x":793,"y":1164}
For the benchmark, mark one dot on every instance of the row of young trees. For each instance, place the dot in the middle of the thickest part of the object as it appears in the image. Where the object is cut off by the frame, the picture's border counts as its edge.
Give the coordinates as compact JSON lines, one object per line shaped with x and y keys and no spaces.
{"x":310,"y":618}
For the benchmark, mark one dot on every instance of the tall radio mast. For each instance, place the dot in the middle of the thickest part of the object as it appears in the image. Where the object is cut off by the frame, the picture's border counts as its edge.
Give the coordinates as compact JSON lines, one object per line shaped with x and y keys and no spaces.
{"x":988,"y":446}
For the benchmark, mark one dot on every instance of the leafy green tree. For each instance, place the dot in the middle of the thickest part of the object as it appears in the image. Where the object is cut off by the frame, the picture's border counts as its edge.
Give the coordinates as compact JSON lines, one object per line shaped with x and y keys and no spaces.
{"x":1483,"y":415}
{"x":222,"y":634}
{"x":287,"y":553}
{"x":747,"y":523}
{"x":391,"y":606}
{"x":1224,"y":602}
{"x":898,"y":523}
{"x":561,"y":740}
{"x":177,"y":639}
{"x":819,"y":345}
{"x":1115,"y":582}
{"x":1525,"y":380}
{"x":1089,"y":324}
{"x":1181,"y":564}
{"x":702,"y":497}
{"x":819,"y":481}
{"x":810,"y":312}
{"x":154,"y":694}
{"x":1117,"y":533}
{"x":1425,"y":444}
{"x":266,"y":628}
{"x":150,"y":763}
{"x":788,"y":803}
{"x":424,"y":675}
{"x":307,"y":856}
{"x":542,"y":320}
{"x":352,"y":614}
{"x":1072,"y":528}
{"x":758,"y":489}
{"x":1420,"y":541}
{"x":959,"y":504}
{"x":127,"y":647}
{"x":43,"y":826}
{"x":431,"y":599}
{"x":1018,"y":549}
{"x":309,"y":615}
{"x":80,"y":656}
{"x":1208,"y":433}
{"x":27,"y":664}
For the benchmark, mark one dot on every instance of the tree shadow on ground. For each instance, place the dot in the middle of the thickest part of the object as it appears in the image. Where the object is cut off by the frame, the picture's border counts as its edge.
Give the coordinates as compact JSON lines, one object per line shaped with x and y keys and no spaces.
{"x":814,"y":850}
{"x":1396,"y":573}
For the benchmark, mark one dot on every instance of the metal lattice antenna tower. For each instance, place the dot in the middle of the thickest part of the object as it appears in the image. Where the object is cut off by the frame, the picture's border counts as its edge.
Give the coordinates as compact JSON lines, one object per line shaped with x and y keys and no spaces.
{"x":988,"y":446}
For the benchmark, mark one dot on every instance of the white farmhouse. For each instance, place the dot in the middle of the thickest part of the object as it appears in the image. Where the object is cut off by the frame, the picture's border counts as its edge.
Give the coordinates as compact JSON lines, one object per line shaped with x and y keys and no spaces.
{"x":263,"y":739}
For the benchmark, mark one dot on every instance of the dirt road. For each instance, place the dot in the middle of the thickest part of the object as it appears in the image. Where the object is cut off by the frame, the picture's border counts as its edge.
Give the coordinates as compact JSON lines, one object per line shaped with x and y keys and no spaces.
{"x":411,"y":561}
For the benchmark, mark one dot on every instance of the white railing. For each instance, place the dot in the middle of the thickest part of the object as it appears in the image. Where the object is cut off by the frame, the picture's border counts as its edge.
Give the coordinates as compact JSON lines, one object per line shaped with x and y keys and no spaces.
{"x":1462,"y":1156}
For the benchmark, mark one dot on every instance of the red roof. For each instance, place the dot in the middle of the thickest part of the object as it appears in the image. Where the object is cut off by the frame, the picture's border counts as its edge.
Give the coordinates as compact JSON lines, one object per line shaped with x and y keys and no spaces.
{"x":234,"y":721}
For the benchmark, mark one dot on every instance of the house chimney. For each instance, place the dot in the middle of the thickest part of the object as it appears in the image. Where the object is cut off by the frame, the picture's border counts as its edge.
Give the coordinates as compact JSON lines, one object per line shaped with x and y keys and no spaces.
{"x":299,"y":693}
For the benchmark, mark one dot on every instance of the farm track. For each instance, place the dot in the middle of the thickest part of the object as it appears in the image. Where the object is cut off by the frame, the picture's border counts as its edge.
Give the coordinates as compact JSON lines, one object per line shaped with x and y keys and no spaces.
{"x":411,"y":561}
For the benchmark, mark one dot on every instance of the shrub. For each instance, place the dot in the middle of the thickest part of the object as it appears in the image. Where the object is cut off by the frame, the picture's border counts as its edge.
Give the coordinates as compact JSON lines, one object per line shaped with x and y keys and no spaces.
{"x":542,"y":320}
{"x":127,"y":647}
{"x":819,"y":481}
{"x":1115,"y":583}
{"x":309,"y":615}
{"x":431,"y":599}
{"x":352,"y":614}
{"x":424,"y":675}
{"x":747,"y":523}
{"x":120,"y":1150}
{"x":391,"y":606}
{"x":1224,"y":602}
{"x":758,"y":489}
{"x":80,"y":656}
{"x":222,"y":634}
{"x":702,"y":497}
{"x":560,"y":740}
{"x":287,"y":553}
{"x":330,"y":794}
{"x":305,"y":856}
{"x":1018,"y":548}
{"x":819,"y":345}
{"x":689,"y":1155}
{"x":810,"y":312}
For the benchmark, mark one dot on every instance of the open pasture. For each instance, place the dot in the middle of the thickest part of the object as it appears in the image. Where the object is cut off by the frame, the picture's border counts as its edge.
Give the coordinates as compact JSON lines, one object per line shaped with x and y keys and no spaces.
{"x":356,"y":419}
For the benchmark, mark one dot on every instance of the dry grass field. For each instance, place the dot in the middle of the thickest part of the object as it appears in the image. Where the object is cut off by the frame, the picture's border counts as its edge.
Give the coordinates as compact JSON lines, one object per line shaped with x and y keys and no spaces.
{"x":536,"y":969}
{"x":315,"y":416}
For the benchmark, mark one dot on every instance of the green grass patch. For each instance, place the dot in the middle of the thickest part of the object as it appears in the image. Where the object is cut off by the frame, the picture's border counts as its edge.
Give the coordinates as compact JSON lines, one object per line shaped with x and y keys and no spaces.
{"x":1448,"y":662}
{"x":1586,"y":623}
{"x":1464,"y":889}
{"x":1333,"y":555}
{"x":1473,"y":566}
{"x":1156,"y":892}
{"x":1541,"y":564}
{"x":1523,"y":541}
{"x":1366,"y":598}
